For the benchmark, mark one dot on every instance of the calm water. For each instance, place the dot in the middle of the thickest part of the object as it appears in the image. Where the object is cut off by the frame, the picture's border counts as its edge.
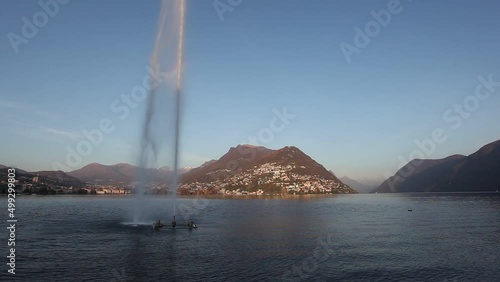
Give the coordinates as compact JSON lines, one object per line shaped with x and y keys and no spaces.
{"x":447,"y":237}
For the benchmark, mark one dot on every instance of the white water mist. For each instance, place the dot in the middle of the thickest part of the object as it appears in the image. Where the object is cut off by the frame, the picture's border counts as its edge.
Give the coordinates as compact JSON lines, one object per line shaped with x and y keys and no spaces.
{"x":161,"y":129}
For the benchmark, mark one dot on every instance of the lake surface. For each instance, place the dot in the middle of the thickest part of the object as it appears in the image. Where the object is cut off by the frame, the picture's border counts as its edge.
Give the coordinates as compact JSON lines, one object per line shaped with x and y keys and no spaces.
{"x":447,"y":237}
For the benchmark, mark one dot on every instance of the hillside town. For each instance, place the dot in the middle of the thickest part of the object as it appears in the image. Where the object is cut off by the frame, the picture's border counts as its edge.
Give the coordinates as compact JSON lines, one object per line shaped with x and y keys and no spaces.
{"x":52,"y":185}
{"x":266,"y":179}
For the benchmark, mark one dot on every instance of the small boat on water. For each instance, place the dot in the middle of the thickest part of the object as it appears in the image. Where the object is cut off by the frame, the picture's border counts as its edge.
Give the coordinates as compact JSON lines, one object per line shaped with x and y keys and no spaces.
{"x":191,"y":224}
{"x":410,"y":209}
{"x":157,"y":225}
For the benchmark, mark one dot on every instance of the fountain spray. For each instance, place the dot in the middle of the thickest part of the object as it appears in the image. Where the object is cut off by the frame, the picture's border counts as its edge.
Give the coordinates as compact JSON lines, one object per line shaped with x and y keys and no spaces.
{"x":161,"y":128}
{"x":180,"y":51}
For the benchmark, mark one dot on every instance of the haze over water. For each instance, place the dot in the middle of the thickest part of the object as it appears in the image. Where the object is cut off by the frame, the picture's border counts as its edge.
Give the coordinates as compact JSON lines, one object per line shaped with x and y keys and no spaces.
{"x":447,"y":237}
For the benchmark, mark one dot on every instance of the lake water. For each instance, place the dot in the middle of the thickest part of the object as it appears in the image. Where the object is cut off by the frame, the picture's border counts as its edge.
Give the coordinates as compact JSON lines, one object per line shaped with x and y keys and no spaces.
{"x":447,"y":237}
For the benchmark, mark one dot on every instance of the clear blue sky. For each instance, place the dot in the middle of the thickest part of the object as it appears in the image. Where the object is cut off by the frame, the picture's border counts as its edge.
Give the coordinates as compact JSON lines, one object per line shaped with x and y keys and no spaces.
{"x":354,"y":118}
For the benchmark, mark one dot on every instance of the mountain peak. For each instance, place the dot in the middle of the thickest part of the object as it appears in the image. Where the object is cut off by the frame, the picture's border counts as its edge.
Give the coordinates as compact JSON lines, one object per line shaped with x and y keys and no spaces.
{"x":488,"y":149}
{"x":291,"y":154}
{"x":243,"y":148}
{"x":123,"y":165}
{"x":251,"y":168}
{"x":455,"y":173}
{"x":248,"y":146}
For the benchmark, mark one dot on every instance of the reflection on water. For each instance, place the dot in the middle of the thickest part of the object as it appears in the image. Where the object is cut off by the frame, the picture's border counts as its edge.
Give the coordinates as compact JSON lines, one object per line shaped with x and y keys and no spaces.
{"x":451,"y":237}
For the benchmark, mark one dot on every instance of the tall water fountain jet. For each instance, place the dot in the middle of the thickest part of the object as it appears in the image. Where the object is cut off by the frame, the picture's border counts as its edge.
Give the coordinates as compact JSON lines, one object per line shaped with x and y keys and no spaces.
{"x":161,"y":129}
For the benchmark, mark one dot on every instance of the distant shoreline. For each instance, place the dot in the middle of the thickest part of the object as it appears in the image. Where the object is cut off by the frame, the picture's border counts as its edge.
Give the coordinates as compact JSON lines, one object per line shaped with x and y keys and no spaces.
{"x":212,"y":196}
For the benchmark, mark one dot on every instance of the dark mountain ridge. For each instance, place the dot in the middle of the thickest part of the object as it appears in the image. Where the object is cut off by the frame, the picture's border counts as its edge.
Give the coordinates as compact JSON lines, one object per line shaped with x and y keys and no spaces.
{"x":479,"y":171}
